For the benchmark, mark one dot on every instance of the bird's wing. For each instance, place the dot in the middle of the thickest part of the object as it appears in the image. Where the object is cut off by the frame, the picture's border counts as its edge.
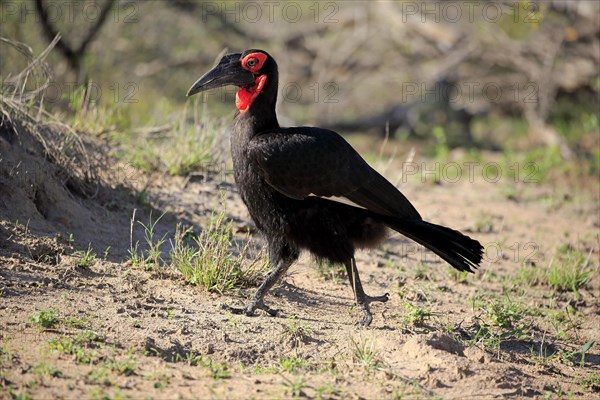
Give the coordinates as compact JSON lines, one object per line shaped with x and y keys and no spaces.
{"x":303,"y":162}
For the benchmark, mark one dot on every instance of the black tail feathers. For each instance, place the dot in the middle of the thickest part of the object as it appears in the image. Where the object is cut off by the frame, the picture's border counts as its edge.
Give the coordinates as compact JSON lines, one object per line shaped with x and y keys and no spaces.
{"x":459,"y":250}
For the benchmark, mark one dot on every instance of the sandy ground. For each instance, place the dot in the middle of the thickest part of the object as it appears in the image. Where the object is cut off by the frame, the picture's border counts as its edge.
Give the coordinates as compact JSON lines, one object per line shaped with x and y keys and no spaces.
{"x":149,"y":334}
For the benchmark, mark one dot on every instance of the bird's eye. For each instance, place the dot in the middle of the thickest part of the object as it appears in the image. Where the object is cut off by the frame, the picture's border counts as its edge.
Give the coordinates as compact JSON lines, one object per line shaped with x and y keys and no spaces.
{"x":251,"y":62}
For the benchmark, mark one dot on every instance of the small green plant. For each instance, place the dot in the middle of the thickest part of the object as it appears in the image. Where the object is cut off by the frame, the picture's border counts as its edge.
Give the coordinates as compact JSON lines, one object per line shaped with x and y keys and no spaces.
{"x":364,"y":354}
{"x":296,"y":386}
{"x":18,"y":396}
{"x":567,"y":357}
{"x":80,"y":353}
{"x":510,"y":191}
{"x":161,"y":379}
{"x":458,"y":276}
{"x":297,"y":331}
{"x":441,"y":149}
{"x":45,"y":319}
{"x":584,"y":349}
{"x":570,"y":273}
{"x":563,"y":321}
{"x":194,"y":359}
{"x":100,"y":376}
{"x":416,"y":315}
{"x":326,"y":392}
{"x":150,"y":258}
{"x":503,"y":313}
{"x":422,"y":272}
{"x":90,"y":337}
{"x":74,"y":322}
{"x":43,"y":369}
{"x":592,"y":381}
{"x":232,"y":319}
{"x":217,"y":370}
{"x":136,"y":259}
{"x":534,"y":166}
{"x":126,"y":366}
{"x":292,"y":364}
{"x":528,"y":275}
{"x":5,"y":354}
{"x":82,"y":347}
{"x":500,"y":319}
{"x":540,"y":354}
{"x":259,"y":369}
{"x":209,"y":261}
{"x":86,"y":258}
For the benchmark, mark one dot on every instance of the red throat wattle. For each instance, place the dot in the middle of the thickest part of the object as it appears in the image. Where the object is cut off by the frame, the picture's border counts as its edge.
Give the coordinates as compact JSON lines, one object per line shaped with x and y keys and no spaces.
{"x":246,"y":95}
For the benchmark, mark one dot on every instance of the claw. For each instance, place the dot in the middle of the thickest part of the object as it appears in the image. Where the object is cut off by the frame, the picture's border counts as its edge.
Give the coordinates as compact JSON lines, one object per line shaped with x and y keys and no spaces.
{"x":382,"y":299}
{"x":235,"y":310}
{"x":271,"y":311}
{"x":249,"y":310}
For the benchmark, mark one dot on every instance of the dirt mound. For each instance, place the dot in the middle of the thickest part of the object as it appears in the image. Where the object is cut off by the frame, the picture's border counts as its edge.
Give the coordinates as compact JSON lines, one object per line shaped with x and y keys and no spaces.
{"x":56,"y":184}
{"x":434,"y":345}
{"x":440,"y":361}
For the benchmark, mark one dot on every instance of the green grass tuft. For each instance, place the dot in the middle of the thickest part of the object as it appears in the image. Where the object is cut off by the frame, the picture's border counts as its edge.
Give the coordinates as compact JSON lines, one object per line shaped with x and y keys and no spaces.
{"x":364,"y":354}
{"x":86,"y":258}
{"x":499,"y":319}
{"x":568,"y":272}
{"x":571,"y":272}
{"x":45,"y":319}
{"x":208,"y":260}
{"x":150,"y":258}
{"x":416,"y":315}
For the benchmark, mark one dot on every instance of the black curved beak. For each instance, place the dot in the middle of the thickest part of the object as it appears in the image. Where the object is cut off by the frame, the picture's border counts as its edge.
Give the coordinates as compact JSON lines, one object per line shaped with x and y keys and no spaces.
{"x":228,"y":71}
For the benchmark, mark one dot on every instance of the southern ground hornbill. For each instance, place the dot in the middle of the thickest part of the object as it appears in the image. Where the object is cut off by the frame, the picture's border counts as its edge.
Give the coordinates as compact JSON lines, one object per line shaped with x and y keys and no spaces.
{"x":307,"y":188}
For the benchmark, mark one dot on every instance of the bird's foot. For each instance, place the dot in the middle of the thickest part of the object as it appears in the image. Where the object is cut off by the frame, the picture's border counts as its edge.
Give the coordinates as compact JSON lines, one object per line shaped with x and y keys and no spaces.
{"x":382,"y":299}
{"x":250,"y":309}
{"x":367,"y":316}
{"x":364,"y":305}
{"x":271,"y":311}
{"x":233,"y":310}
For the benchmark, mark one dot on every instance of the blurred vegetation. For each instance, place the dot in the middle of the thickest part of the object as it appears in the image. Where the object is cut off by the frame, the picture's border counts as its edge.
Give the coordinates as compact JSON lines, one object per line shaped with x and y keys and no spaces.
{"x":511,"y":76}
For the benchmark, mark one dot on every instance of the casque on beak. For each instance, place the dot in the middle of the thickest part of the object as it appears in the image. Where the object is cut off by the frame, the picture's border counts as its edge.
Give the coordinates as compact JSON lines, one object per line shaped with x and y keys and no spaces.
{"x":228,"y":71}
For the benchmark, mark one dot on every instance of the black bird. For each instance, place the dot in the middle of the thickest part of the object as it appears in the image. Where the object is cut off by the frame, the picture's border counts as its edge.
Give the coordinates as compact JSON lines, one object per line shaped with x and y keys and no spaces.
{"x":307,"y":188}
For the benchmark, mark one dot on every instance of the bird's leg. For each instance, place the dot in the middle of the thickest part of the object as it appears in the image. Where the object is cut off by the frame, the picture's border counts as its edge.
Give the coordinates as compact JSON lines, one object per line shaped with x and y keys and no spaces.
{"x":362,"y":299}
{"x":257,"y":301}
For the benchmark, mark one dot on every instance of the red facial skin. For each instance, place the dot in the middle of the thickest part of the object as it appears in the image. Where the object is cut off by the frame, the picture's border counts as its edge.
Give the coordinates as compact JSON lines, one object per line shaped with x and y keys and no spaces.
{"x":245,"y":96}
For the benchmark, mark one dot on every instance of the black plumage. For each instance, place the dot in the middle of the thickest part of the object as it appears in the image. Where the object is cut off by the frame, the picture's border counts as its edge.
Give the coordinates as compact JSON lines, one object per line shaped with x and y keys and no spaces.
{"x":307,"y":188}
